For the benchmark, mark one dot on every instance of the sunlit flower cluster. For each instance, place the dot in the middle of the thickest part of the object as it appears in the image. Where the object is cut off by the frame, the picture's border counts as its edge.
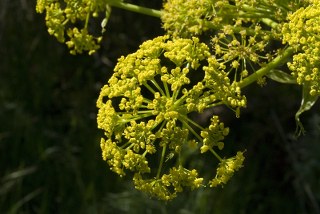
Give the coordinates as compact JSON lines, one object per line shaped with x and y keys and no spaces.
{"x":185,"y":18}
{"x":240,"y":30}
{"x":144,"y":112}
{"x":303,"y":33}
{"x":145,"y":108}
{"x":63,"y":18}
{"x":194,"y":17}
{"x":239,"y":52}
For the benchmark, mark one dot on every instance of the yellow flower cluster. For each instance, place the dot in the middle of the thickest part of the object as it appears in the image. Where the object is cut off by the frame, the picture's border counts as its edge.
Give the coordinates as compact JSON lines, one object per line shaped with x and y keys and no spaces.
{"x":144,"y":109}
{"x":167,"y":187}
{"x":195,"y":17}
{"x":213,"y":135}
{"x":303,"y":33}
{"x":185,"y":18}
{"x":239,"y":51}
{"x":240,"y":30}
{"x":62,"y":16}
{"x":226,"y":169}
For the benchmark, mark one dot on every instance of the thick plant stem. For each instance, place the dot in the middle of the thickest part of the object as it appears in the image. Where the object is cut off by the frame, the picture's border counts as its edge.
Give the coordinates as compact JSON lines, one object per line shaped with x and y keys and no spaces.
{"x":134,"y":8}
{"x":270,"y":23}
{"x":280,"y":59}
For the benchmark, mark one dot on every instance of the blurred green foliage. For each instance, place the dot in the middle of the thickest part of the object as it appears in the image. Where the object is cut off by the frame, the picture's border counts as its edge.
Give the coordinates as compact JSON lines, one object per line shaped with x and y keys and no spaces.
{"x":50,"y":160}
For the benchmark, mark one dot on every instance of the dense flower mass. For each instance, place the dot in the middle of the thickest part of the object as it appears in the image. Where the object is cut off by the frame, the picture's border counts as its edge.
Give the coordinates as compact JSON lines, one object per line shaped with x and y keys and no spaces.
{"x":242,"y":52}
{"x":185,"y":18}
{"x":144,"y":112}
{"x":145,"y":109}
{"x":241,"y":32}
{"x":62,"y":17}
{"x":194,"y":17}
{"x":303,"y":33}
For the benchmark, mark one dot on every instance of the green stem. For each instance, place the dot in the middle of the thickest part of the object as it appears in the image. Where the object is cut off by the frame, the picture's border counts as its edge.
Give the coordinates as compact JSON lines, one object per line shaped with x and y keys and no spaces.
{"x":147,"y":101}
{"x":166,"y":88}
{"x":214,"y":104}
{"x":270,"y":23}
{"x":191,"y":129}
{"x":162,"y":160}
{"x":87,"y":21}
{"x":149,"y":88}
{"x":176,"y":93}
{"x":180,"y":100}
{"x":129,"y":147}
{"x":144,"y":112}
{"x":154,"y":82}
{"x":192,"y":122}
{"x":65,"y":22}
{"x":215,"y":154}
{"x":280,"y":59}
{"x":137,"y":117}
{"x":134,"y":8}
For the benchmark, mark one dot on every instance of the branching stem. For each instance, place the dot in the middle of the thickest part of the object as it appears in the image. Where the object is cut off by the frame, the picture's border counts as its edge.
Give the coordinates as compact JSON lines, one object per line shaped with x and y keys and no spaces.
{"x":280,"y":59}
{"x":135,"y":8}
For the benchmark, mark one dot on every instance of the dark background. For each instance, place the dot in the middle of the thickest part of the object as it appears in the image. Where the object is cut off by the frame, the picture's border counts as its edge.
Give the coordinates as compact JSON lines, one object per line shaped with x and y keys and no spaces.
{"x":50,"y":159}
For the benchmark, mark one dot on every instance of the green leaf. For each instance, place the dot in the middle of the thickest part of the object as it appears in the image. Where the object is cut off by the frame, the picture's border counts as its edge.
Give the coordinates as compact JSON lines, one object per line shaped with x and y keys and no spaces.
{"x":280,"y":76}
{"x":306,"y":103}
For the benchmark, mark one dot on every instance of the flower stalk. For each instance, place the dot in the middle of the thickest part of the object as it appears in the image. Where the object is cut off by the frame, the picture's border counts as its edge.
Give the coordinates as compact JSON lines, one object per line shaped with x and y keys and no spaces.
{"x":276,"y":62}
{"x":134,"y":8}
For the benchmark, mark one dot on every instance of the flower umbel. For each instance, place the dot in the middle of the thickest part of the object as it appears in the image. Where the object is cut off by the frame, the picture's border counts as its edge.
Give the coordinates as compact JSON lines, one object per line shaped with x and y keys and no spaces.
{"x":303,"y":33}
{"x":144,"y":112}
{"x":185,"y":18}
{"x":62,"y":17}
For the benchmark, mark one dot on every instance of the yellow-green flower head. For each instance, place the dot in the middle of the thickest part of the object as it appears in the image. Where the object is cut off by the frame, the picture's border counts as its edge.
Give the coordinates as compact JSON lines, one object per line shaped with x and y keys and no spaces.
{"x":144,"y":110}
{"x":193,"y":17}
{"x":185,"y":18}
{"x":61,"y":16}
{"x":226,"y":169}
{"x":303,"y":33}
{"x":241,"y":51}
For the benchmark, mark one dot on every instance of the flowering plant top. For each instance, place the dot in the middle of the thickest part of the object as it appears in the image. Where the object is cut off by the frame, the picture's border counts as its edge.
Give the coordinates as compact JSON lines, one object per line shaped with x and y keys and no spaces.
{"x":212,"y":49}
